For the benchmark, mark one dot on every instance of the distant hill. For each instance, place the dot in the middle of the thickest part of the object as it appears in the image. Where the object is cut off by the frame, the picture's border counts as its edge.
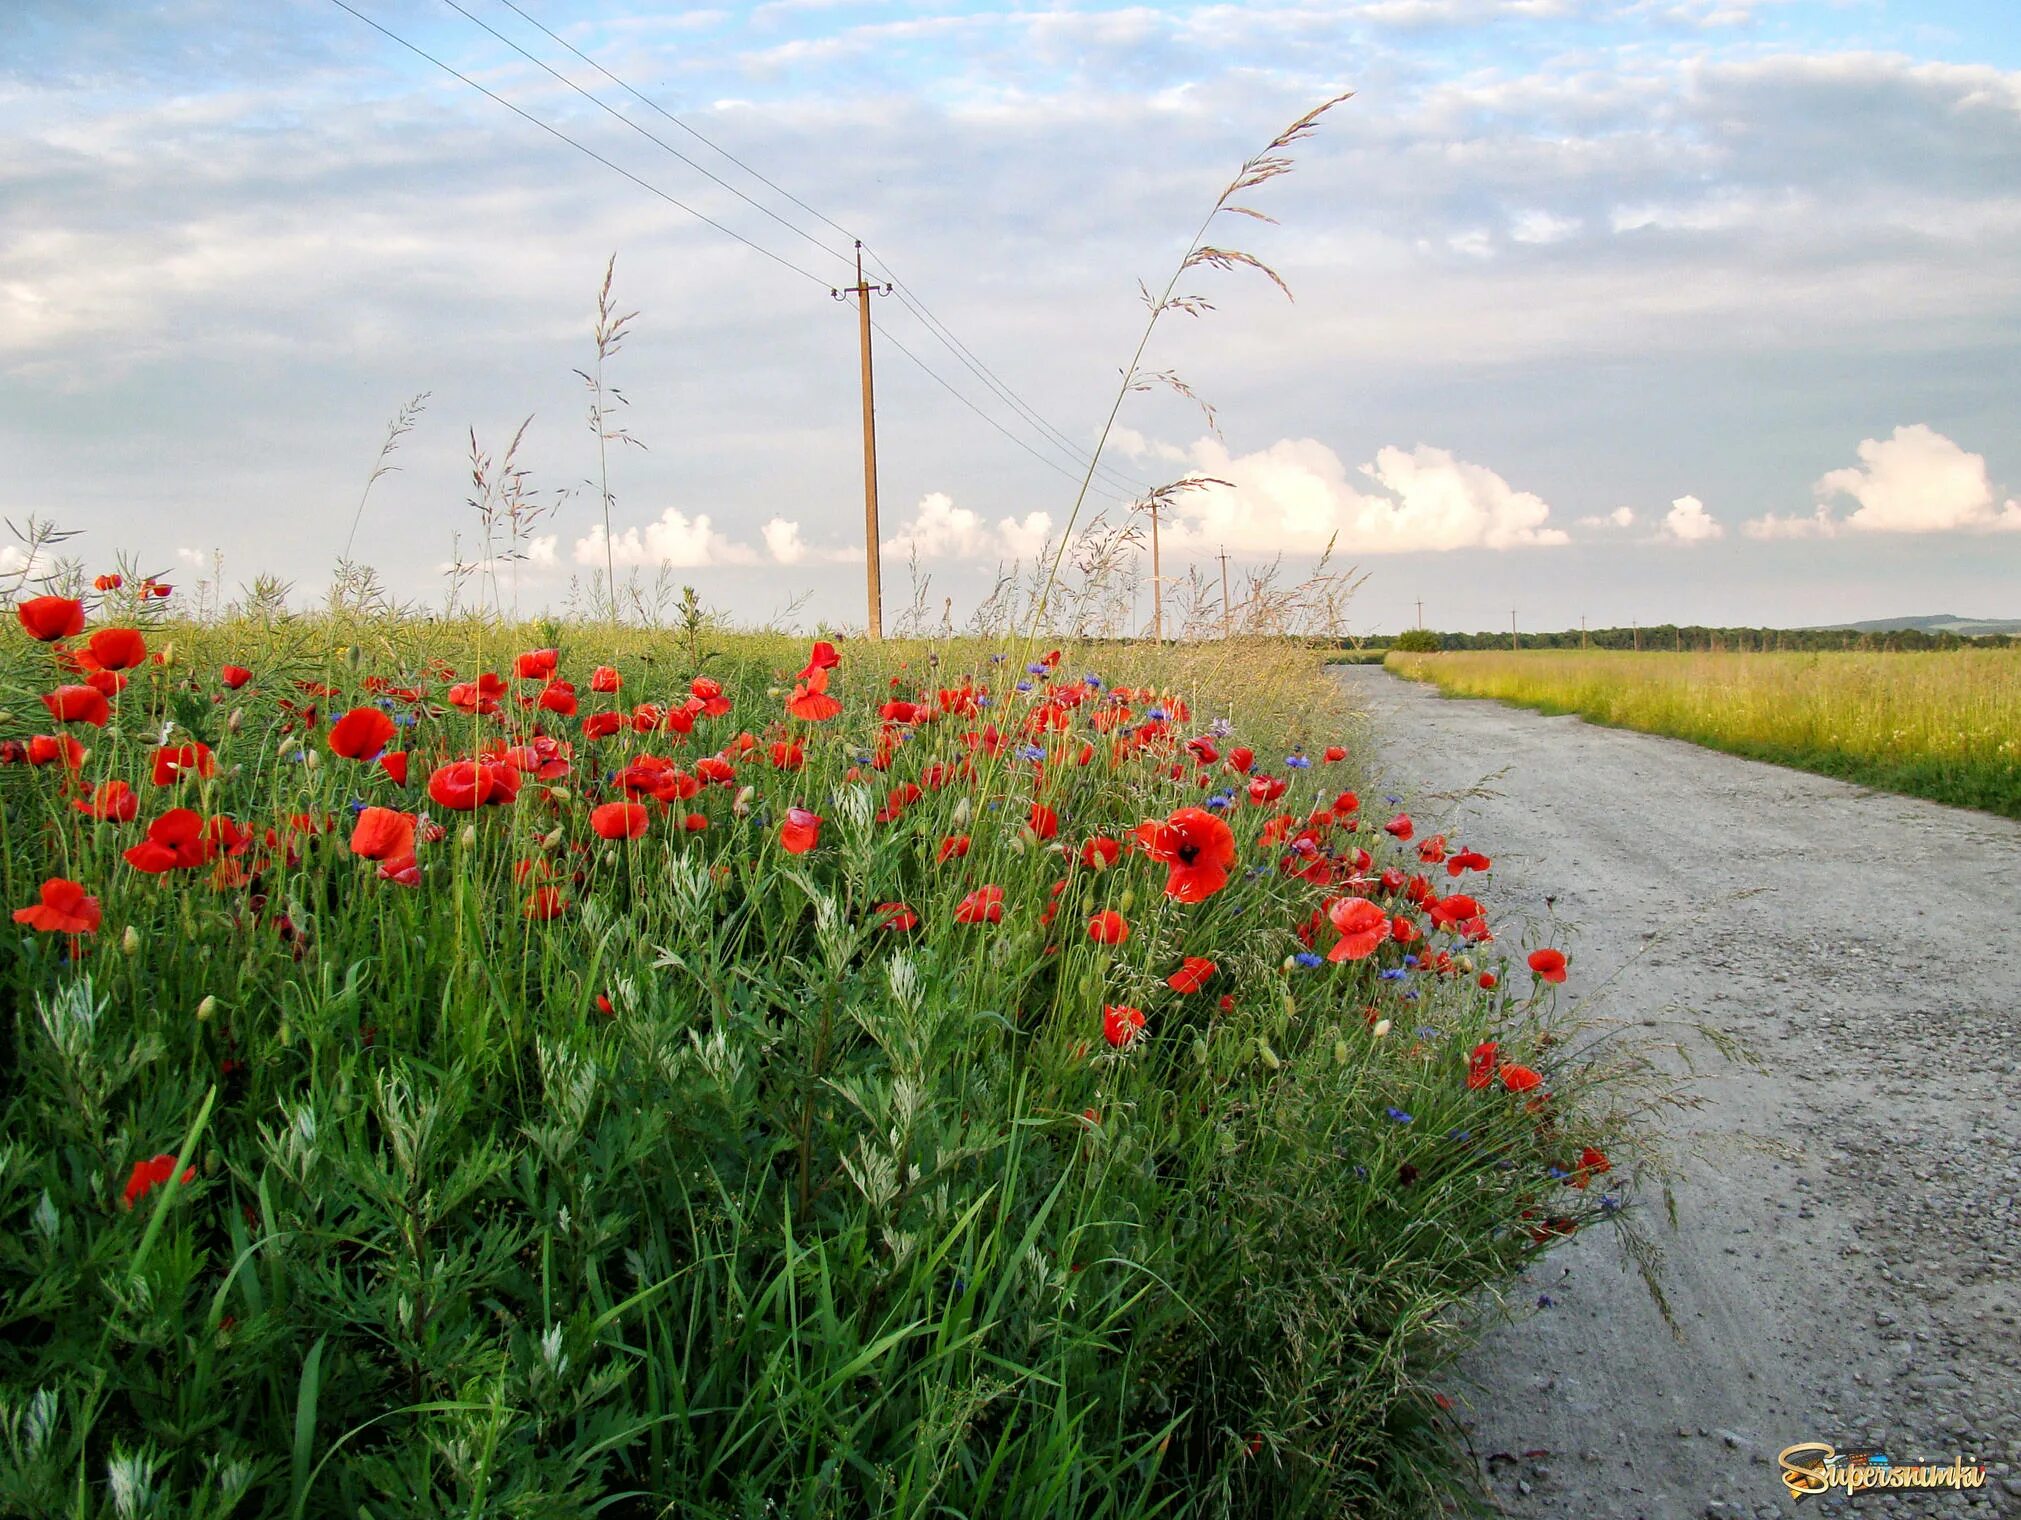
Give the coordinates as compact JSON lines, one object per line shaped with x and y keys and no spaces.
{"x":1942,"y":622}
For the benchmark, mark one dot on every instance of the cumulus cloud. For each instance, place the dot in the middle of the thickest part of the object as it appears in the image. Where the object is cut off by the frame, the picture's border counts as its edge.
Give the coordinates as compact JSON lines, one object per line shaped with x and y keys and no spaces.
{"x":1917,"y":481}
{"x":784,"y":543}
{"x":941,"y":530}
{"x":13,"y":560}
{"x":1620,"y":517}
{"x":1687,"y":522}
{"x":544,"y":549}
{"x":673,"y":539}
{"x":1820,"y":524}
{"x":1296,"y":496}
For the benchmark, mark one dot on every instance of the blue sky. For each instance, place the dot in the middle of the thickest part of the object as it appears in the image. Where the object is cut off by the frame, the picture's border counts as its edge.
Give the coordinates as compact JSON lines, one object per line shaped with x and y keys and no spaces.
{"x":1698,"y":310}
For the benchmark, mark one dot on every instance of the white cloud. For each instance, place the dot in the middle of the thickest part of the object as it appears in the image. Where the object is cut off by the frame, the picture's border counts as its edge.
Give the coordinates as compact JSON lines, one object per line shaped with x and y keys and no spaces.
{"x":1917,"y":481}
{"x":1295,"y":497}
{"x":673,"y":539}
{"x":1820,"y":524}
{"x":1620,"y":517}
{"x":12,"y":560}
{"x":1687,"y":522}
{"x":1537,"y":226}
{"x":941,"y":530}
{"x":543,"y":550}
{"x":784,"y":543}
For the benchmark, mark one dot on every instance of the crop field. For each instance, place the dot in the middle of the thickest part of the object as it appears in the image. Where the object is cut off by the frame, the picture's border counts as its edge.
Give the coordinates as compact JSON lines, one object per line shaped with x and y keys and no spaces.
{"x":572,"y":1070}
{"x":1943,"y":725}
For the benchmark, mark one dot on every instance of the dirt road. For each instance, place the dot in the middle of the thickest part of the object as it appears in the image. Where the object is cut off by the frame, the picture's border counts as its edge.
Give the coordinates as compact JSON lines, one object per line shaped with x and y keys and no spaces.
{"x":1844,"y":1264}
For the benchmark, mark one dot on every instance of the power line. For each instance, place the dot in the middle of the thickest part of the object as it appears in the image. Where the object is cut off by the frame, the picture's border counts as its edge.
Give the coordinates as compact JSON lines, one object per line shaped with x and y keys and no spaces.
{"x":651,"y":189}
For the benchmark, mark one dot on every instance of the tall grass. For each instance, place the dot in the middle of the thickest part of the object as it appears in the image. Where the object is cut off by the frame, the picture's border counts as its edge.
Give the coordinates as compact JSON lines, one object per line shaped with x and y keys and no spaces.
{"x":1941,"y":725}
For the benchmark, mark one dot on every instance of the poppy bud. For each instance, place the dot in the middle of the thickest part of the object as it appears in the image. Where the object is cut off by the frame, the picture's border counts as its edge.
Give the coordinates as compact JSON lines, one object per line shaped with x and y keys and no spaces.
{"x":1340,"y":1052}
{"x":550,"y":840}
{"x":1290,"y":964}
{"x":1127,"y":901}
{"x":129,"y":942}
{"x":166,"y":654}
{"x":961,"y":812}
{"x":1381,"y":1028}
{"x":1199,"y":1050}
{"x":236,"y":721}
{"x":742,"y":806}
{"x":468,"y":838}
{"x":558,"y":793}
{"x":312,"y":759}
{"x":1290,"y":1006}
{"x":206,"y":1008}
{"x":354,"y":656}
{"x":1269,"y":1056}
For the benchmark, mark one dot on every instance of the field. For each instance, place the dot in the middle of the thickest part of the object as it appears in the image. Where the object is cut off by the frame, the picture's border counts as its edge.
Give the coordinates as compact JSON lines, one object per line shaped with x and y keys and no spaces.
{"x":1946,"y":726}
{"x":570,"y":1070}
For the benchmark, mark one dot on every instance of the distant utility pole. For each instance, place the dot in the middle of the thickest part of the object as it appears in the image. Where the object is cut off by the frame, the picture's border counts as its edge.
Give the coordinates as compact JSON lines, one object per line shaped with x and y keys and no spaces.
{"x":1512,"y":630}
{"x":863,"y":293}
{"x":1637,"y":626}
{"x":1421,"y":613}
{"x":1157,"y":576}
{"x":1226,"y":623}
{"x":1582,"y":631}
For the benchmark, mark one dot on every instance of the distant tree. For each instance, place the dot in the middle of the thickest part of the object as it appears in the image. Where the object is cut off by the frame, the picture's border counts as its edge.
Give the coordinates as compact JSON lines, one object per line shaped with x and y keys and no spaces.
{"x":1418,"y":641}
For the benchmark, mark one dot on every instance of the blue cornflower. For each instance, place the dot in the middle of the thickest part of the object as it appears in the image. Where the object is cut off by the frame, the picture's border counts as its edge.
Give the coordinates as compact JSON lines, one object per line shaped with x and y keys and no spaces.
{"x":404,"y":720}
{"x":1307,"y":959}
{"x":1092,"y":681}
{"x":1428,"y":1031}
{"x":1157,"y":714}
{"x":1545,"y":1301}
{"x":1411,"y":961}
{"x":1460,"y":1135}
{"x":1221,"y":728}
{"x":998,"y":659}
{"x":1399,"y":1115}
{"x":1609,"y":1203}
{"x":1035,"y":669}
{"x":1393,"y":801}
{"x":1218,"y":801}
{"x":1392,"y":974}
{"x":1030,"y":752}
{"x":1024,"y":686}
{"x":357,"y":804}
{"x":1558,"y":1173}
{"x":1298,"y":762}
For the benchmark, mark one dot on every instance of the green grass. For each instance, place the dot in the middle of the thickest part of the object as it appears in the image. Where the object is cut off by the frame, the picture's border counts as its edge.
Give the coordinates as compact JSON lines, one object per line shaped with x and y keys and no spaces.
{"x":1946,"y":726}
{"x":820,"y":1218}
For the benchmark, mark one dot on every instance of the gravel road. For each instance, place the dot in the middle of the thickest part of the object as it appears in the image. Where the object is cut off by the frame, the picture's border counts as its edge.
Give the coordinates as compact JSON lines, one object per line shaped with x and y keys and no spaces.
{"x":1843,"y":1268}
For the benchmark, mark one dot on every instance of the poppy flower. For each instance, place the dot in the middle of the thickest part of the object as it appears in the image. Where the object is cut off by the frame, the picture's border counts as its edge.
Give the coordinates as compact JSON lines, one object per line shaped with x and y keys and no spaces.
{"x":1120,"y":1025}
{"x":1481,"y":1065}
{"x":1099,"y":854}
{"x":800,"y":832}
{"x":1044,"y":821}
{"x":708,"y":692}
{"x":1334,"y":753}
{"x":361,"y":733}
{"x":114,"y":801}
{"x":1346,"y":805}
{"x":602,"y":725}
{"x":234,"y":676}
{"x":1488,"y":981}
{"x":78,"y":704}
{"x":1192,"y":974}
{"x":150,"y":1174}
{"x":479,"y":696}
{"x":605,"y":679}
{"x":394,"y":764}
{"x":619,"y":820}
{"x":1520,"y":1079}
{"x":951,"y":848}
{"x":49,"y":618}
{"x":1108,"y":928}
{"x":109,"y":582}
{"x":558,"y":697}
{"x":118,"y":648}
{"x":823,"y":657}
{"x":383,"y":834}
{"x":546,"y":903}
{"x":1592,"y":1163}
{"x":1266,"y":789}
{"x":463,"y":786}
{"x":896,"y":916}
{"x":1548,"y":964}
{"x":176,"y":841}
{"x":536,"y":664}
{"x":174,"y":761}
{"x":982,"y":906}
{"x":1241,"y":759}
{"x":107,"y":683}
{"x":1362,"y":926}
{"x":65,"y":908}
{"x":1198,"y":847}
{"x":1401,"y":827}
{"x":1457,"y":909}
{"x":56,"y":749}
{"x":810,"y":700}
{"x":787,"y":754}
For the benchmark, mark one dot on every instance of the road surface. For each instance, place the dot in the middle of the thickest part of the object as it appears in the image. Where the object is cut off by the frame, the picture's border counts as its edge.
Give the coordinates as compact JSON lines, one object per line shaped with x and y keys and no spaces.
{"x":1843,"y":1268}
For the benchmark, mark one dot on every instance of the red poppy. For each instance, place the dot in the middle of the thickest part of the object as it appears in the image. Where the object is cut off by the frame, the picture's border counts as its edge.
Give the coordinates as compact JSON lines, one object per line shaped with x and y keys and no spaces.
{"x":463,"y":786}
{"x":1108,"y":928}
{"x":478,"y":696}
{"x":65,"y":908}
{"x":174,"y":761}
{"x":536,"y":664}
{"x":1345,"y":805}
{"x":823,"y":657}
{"x":1044,"y":821}
{"x":1548,"y":964}
{"x":1192,"y":974}
{"x":984,"y":905}
{"x":800,"y":832}
{"x":111,"y":800}
{"x":896,"y":916}
{"x":107,"y":683}
{"x":1241,"y":759}
{"x":50,"y":618}
{"x":1199,"y":848}
{"x":1266,"y":789}
{"x":1481,"y":1065}
{"x":176,"y":841}
{"x":56,"y":749}
{"x":1467,"y":860}
{"x":810,"y":700}
{"x":1520,"y":1079}
{"x":546,"y":903}
{"x":619,"y":820}
{"x":109,"y":582}
{"x":1592,"y":1163}
{"x":118,"y":648}
{"x":787,"y":754}
{"x":234,"y":676}
{"x":951,"y":848}
{"x":1447,"y":912}
{"x":708,"y":692}
{"x":1120,"y":1025}
{"x":1488,"y":981}
{"x":361,"y":733}
{"x":1362,"y":926}
{"x":383,"y":834}
{"x":1334,"y":752}
{"x":1099,"y":854}
{"x":605,"y":679}
{"x":78,"y":704}
{"x":1400,"y":826}
{"x":150,"y":1174}
{"x":602,"y":725}
{"x":558,"y":697}
{"x":394,"y":764}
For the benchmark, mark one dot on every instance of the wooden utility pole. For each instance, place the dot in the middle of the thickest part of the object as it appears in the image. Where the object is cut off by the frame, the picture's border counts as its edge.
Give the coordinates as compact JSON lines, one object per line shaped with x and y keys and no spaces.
{"x":1582,"y":631}
{"x":1513,"y":647}
{"x":875,"y":624}
{"x":1421,"y":613}
{"x":1157,"y":581}
{"x":1226,"y":623}
{"x":1637,"y":626}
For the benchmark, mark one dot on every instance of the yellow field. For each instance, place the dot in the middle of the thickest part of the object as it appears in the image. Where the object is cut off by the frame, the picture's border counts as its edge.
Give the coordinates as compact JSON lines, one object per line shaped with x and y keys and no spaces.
{"x":1945,"y":725}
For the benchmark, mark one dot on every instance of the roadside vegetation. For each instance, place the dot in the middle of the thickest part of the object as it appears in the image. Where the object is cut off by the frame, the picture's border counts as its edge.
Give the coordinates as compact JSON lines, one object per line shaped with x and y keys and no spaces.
{"x":1943,"y":725}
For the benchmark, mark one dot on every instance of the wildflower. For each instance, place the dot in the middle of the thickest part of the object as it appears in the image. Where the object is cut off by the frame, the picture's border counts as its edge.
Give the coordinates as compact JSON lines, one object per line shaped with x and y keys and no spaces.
{"x":951,"y":848}
{"x":1488,"y":981}
{"x":383,"y":834}
{"x":1099,"y":854}
{"x":1401,"y":827}
{"x":78,"y":704}
{"x":1334,"y":752}
{"x":810,"y":700}
{"x":1307,"y":959}
{"x":1362,"y":926}
{"x":800,"y":832}
{"x":49,"y":618}
{"x":360,"y":734}
{"x":394,"y":764}
{"x":175,"y":841}
{"x":150,"y":1174}
{"x":821,"y":658}
{"x":463,"y":786}
{"x":536,"y":664}
{"x":64,"y":908}
{"x":1593,"y":1162}
{"x":1192,"y":974}
{"x":1519,"y":1079}
{"x":984,"y":905}
{"x":52,"y":749}
{"x":1399,"y":1115}
{"x":1548,"y":964}
{"x":1120,"y":1025}
{"x":1198,"y":847}
{"x":234,"y":676}
{"x":897,"y":917}
{"x":619,"y":820}
{"x":546,"y":903}
{"x":1108,"y":928}
{"x":605,"y":679}
{"x":114,"y":801}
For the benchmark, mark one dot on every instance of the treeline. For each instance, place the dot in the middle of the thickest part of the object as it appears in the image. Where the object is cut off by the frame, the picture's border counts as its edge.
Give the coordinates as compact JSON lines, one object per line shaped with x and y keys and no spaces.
{"x":1692,"y":637}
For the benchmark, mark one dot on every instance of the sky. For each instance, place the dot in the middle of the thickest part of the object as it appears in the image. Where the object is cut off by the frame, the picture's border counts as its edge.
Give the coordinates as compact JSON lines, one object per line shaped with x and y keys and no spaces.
{"x":1694,"y":311}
